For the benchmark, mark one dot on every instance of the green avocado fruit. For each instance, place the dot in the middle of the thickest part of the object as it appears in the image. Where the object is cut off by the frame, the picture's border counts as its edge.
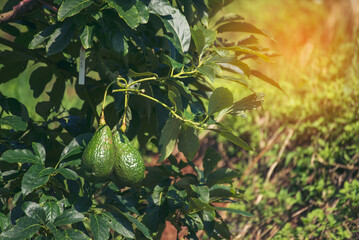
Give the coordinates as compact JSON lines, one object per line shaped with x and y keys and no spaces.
{"x":129,"y":165}
{"x":99,"y":156}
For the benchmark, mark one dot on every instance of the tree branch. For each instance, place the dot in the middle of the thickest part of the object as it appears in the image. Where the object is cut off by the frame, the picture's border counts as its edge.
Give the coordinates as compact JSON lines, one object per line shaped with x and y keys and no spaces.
{"x":18,"y":11}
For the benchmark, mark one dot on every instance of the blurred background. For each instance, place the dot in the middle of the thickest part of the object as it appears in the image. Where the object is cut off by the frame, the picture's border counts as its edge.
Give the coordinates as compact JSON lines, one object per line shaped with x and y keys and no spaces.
{"x":301,"y":182}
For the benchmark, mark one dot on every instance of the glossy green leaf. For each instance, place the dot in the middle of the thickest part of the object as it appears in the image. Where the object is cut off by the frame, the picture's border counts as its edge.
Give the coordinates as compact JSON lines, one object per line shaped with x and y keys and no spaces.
{"x":15,"y":122}
{"x":222,"y":229}
{"x":266,"y":79}
{"x":120,"y":224}
{"x":40,"y":151}
{"x":174,"y":22}
{"x":127,"y":11}
{"x":188,"y":142}
{"x":68,"y":217}
{"x":221,"y":175}
{"x":4,"y":222}
{"x":210,"y":160}
{"x":168,"y":137}
{"x":143,"y":12}
{"x":69,"y":151}
{"x":20,"y":156}
{"x":33,"y":179}
{"x":208,"y":222}
{"x":35,"y":211}
{"x":118,"y":43}
{"x":60,"y":38}
{"x":175,"y":97}
{"x":99,"y":227}
{"x":196,"y":204}
{"x":25,"y":228}
{"x":221,"y":191}
{"x":71,"y":234}
{"x":202,"y":38}
{"x":72,"y":7}
{"x":68,"y":173}
{"x":86,"y":36}
{"x":139,"y":225}
{"x":220,"y":99}
{"x":234,"y":211}
{"x":52,"y":210}
{"x":233,"y":138}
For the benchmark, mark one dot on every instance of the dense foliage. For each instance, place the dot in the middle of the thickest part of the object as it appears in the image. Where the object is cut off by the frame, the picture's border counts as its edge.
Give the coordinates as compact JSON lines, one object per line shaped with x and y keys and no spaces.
{"x":157,"y":60}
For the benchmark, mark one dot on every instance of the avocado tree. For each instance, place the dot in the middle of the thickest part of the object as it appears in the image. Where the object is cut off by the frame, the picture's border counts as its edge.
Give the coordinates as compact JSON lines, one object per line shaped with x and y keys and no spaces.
{"x":155,"y":61}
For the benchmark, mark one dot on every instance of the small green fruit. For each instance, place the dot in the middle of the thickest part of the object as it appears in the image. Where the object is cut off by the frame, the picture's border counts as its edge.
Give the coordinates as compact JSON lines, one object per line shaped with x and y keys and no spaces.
{"x":99,"y":156}
{"x":129,"y":165}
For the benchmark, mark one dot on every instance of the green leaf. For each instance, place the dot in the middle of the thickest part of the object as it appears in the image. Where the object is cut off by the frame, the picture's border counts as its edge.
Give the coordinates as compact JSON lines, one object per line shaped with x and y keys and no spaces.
{"x":60,"y":38}
{"x":196,"y":204}
{"x":247,"y":103}
{"x":221,"y":191}
{"x":222,"y":229}
{"x":143,"y":12}
{"x":99,"y":227}
{"x":139,"y":225}
{"x":230,"y":17}
{"x":266,"y":79}
{"x":240,"y":27}
{"x":71,"y":7}
{"x":24,"y":228}
{"x":33,"y":178}
{"x":40,"y":37}
{"x":234,"y":211}
{"x":71,"y":234}
{"x":202,"y":38}
{"x":240,"y":49}
{"x":69,"y":151}
{"x":202,"y":191}
{"x":86,"y":36}
{"x":233,"y":138}
{"x":168,"y":137}
{"x":35,"y":211}
{"x":120,"y":224}
{"x":174,"y":23}
{"x":208,"y":222}
{"x":15,"y":122}
{"x":118,"y":42}
{"x":127,"y":11}
{"x":68,"y":173}
{"x":4,"y":222}
{"x":39,"y":151}
{"x":20,"y":156}
{"x":52,"y":210}
{"x":236,"y":80}
{"x":69,"y":216}
{"x":243,"y":68}
{"x":221,"y":98}
{"x":175,"y":97}
{"x":222,"y":175}
{"x":171,"y":62}
{"x":210,"y":160}
{"x":210,"y":70}
{"x":188,"y":142}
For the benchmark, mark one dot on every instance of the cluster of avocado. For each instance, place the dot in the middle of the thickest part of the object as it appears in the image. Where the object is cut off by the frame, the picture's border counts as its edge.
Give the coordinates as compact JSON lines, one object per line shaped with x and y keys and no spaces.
{"x":112,"y":154}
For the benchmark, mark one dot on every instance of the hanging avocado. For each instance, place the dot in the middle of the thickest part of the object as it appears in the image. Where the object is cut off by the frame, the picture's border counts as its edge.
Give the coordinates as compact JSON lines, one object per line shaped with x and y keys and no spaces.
{"x":129,"y":165}
{"x":99,"y":156}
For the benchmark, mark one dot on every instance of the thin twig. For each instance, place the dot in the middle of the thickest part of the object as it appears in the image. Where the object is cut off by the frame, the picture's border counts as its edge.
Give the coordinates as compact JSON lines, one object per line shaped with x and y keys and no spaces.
{"x":18,"y":11}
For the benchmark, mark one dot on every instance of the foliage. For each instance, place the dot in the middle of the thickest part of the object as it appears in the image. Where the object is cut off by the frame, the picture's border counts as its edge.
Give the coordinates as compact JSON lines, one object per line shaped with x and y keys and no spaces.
{"x":158,"y":60}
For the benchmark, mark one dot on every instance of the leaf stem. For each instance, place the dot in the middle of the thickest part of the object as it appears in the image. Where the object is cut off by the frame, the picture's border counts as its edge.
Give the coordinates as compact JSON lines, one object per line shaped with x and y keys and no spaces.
{"x":141,"y":80}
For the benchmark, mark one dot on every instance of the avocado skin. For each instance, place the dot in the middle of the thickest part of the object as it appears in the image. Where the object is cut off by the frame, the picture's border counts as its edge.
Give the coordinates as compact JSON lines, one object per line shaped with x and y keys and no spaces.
{"x":99,"y":156}
{"x":129,"y":165}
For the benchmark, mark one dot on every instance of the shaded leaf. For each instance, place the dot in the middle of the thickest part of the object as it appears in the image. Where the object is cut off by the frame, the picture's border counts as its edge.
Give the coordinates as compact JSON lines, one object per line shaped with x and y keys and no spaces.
{"x":210,"y":160}
{"x":68,"y":173}
{"x":127,"y":11}
{"x":39,"y":79}
{"x":210,"y":70}
{"x":221,"y":98}
{"x":52,"y":210}
{"x":234,"y":211}
{"x":120,"y":224}
{"x":222,"y":175}
{"x":188,"y":142}
{"x":266,"y":79}
{"x":247,"y":103}
{"x":4,"y":222}
{"x":240,"y":27}
{"x":202,"y":191}
{"x":196,"y":204}
{"x":240,"y":49}
{"x":15,"y":122}
{"x":71,"y":234}
{"x":40,"y":37}
{"x":230,"y":17}
{"x":39,"y":151}
{"x":86,"y":36}
{"x":168,"y":137}
{"x":139,"y":225}
{"x":202,"y":38}
{"x":60,"y":38}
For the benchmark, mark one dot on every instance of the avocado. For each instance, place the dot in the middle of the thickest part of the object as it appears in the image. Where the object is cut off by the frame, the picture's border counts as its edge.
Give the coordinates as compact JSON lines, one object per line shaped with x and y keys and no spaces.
{"x":99,"y":156}
{"x":129,"y":165}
